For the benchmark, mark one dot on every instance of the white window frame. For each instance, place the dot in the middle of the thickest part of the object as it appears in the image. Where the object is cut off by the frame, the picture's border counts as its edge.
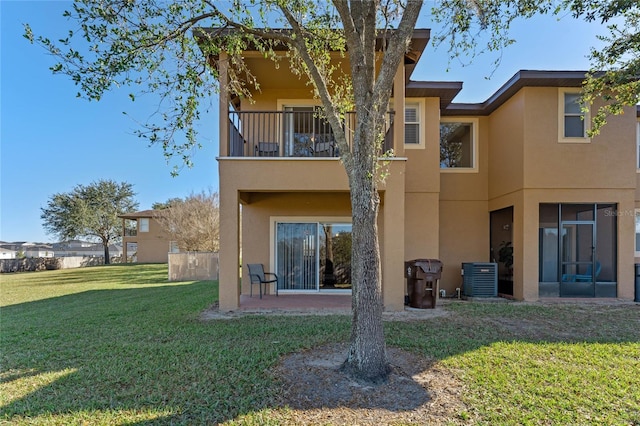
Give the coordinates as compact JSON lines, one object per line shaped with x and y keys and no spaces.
{"x":474,"y":143}
{"x":562,"y":91}
{"x":637,"y":227}
{"x":141,"y":227}
{"x":638,"y":148}
{"x":274,"y":220}
{"x":419,"y":103}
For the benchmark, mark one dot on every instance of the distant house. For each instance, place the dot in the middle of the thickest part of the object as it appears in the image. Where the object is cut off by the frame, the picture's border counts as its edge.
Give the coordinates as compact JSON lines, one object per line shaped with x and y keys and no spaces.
{"x":84,"y":248}
{"x":7,"y":253}
{"x":143,"y":239}
{"x":39,"y":250}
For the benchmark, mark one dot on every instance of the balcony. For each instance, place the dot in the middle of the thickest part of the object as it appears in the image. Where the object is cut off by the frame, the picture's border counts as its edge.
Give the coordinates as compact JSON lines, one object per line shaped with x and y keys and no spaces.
{"x":130,"y":232}
{"x":300,"y":133}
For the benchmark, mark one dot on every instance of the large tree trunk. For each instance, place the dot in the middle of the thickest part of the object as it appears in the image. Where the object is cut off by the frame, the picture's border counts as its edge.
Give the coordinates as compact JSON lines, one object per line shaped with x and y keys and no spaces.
{"x":367,"y":358}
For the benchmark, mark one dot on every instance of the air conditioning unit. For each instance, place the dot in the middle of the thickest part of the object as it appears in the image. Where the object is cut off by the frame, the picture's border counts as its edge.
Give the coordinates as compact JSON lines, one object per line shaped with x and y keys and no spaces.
{"x":480,"y":279}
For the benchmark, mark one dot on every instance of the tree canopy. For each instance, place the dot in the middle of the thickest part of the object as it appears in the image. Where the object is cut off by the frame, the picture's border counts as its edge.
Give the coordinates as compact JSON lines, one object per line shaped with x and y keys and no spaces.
{"x":90,"y":211}
{"x":193,"y":223}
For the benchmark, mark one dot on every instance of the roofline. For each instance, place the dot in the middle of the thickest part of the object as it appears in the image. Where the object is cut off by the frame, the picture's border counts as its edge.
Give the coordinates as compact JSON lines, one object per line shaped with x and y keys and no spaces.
{"x":419,"y":40}
{"x":522,"y":78}
{"x":445,"y":90}
{"x":140,"y":214}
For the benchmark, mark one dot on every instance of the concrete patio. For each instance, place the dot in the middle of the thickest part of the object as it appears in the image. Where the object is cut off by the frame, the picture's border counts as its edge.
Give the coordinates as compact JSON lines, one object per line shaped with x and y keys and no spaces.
{"x":334,"y":303}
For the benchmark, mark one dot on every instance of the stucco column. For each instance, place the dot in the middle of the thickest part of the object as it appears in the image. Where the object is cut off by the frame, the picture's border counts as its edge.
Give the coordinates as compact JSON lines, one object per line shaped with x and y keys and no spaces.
{"x":393,"y":238}
{"x":626,"y":247}
{"x":229,"y":288}
{"x":526,"y":215}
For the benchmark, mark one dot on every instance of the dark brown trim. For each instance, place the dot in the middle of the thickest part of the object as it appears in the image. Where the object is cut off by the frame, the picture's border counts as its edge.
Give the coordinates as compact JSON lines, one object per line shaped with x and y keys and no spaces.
{"x":523,"y":78}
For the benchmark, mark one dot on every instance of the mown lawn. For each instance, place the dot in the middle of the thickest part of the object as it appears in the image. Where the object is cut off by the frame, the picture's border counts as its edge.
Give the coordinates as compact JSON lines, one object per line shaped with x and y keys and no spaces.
{"x":120,"y":345}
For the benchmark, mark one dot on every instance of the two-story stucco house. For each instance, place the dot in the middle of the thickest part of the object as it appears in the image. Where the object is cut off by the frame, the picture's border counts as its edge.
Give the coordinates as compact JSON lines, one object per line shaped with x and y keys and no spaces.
{"x":467,"y":179}
{"x":143,"y":239}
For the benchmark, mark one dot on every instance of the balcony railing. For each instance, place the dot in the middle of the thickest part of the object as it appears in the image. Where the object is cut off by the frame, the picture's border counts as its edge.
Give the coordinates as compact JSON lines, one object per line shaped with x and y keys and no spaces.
{"x":290,"y":134}
{"x":130,"y":232}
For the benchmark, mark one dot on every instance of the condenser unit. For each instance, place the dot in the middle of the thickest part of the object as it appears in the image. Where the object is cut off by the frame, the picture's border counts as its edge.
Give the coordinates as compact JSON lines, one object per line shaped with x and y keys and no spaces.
{"x":480,"y":279}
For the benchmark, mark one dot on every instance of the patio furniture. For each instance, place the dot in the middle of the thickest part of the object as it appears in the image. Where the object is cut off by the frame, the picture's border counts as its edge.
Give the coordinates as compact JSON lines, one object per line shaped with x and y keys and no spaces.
{"x":267,"y":149}
{"x":588,"y":276}
{"x":258,"y":276}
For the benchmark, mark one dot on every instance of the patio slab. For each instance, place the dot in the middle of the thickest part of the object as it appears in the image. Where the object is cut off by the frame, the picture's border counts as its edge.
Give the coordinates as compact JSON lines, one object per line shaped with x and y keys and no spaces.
{"x":337,"y":303}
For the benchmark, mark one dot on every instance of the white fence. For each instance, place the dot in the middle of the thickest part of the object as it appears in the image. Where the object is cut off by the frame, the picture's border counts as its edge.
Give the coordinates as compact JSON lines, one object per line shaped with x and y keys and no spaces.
{"x":193,"y":266}
{"x":51,"y":263}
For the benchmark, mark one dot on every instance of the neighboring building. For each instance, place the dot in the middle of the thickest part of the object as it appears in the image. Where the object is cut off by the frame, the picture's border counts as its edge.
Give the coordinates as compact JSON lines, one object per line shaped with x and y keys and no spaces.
{"x":7,"y":253}
{"x":85,"y":248}
{"x":39,"y":250}
{"x":516,"y":170}
{"x":144,"y":240}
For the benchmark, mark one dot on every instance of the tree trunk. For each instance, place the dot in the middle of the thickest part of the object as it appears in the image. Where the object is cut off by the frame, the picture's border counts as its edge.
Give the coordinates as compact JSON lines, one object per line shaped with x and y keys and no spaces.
{"x":367,"y":359}
{"x":107,"y":259}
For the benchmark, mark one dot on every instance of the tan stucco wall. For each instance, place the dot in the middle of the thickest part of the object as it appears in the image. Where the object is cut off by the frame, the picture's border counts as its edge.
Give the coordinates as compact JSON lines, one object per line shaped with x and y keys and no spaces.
{"x":292,"y":188}
{"x":153,"y":246}
{"x":257,"y":232}
{"x":464,"y":237}
{"x":608,"y":161}
{"x":505,"y":147}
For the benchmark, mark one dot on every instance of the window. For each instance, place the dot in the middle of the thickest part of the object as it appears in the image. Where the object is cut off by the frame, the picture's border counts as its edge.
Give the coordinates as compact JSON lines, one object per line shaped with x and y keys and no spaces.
{"x":573,"y":121}
{"x":638,"y":147}
{"x":458,"y":144}
{"x":144,"y":225}
{"x":173,"y":247}
{"x":412,"y":124}
{"x":637,"y":232}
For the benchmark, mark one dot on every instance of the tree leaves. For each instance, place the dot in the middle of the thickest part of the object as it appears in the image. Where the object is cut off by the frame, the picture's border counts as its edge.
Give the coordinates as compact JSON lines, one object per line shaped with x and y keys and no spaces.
{"x":89,"y":211}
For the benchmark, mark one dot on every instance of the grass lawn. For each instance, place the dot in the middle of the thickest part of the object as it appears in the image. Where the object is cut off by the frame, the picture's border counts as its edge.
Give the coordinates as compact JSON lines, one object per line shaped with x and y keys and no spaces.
{"x":121,"y":345}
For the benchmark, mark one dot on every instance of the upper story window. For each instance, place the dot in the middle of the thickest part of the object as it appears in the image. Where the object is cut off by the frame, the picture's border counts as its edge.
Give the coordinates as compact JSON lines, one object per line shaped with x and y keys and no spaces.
{"x":412,"y":124}
{"x":638,"y":147}
{"x":572,"y":121}
{"x":458,"y":144}
{"x":637,"y":232}
{"x":144,"y":225}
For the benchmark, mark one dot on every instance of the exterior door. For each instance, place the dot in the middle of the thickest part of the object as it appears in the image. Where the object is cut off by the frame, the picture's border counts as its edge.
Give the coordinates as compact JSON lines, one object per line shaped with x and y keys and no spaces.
{"x":577,"y":259}
{"x":313,"y":256}
{"x":297,"y":256}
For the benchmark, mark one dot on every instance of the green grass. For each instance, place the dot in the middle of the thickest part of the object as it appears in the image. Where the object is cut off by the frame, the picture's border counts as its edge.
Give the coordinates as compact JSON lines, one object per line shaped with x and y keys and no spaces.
{"x":121,"y":345}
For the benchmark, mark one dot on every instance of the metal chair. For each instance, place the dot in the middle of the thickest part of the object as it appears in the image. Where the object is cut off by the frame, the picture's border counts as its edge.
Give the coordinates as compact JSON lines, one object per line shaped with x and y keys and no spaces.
{"x":267,"y":149}
{"x":257,"y":275}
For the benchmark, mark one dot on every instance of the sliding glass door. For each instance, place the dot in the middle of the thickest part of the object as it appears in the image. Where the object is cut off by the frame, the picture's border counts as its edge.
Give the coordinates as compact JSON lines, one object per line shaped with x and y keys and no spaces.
{"x":313,"y":256}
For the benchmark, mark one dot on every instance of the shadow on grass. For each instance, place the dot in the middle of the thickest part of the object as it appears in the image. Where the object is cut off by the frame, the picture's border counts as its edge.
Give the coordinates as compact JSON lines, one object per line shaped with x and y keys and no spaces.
{"x":143,"y":356}
{"x":143,"y":352}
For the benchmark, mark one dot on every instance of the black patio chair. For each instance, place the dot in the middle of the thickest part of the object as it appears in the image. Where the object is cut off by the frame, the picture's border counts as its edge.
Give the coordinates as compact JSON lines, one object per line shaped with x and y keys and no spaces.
{"x":258,"y":276}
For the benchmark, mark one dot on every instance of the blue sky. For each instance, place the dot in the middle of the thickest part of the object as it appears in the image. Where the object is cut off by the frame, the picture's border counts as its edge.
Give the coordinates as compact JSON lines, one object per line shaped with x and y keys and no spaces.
{"x":51,"y":141}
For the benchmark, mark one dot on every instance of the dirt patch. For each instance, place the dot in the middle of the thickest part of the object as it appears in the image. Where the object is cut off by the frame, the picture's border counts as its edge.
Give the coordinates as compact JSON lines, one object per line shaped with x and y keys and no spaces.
{"x":418,"y":391}
{"x":408,"y":314}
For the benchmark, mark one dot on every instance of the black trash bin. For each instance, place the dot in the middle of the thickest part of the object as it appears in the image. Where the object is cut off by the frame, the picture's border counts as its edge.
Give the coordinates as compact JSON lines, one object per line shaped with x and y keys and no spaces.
{"x":637,"y":275}
{"x":422,"y":282}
